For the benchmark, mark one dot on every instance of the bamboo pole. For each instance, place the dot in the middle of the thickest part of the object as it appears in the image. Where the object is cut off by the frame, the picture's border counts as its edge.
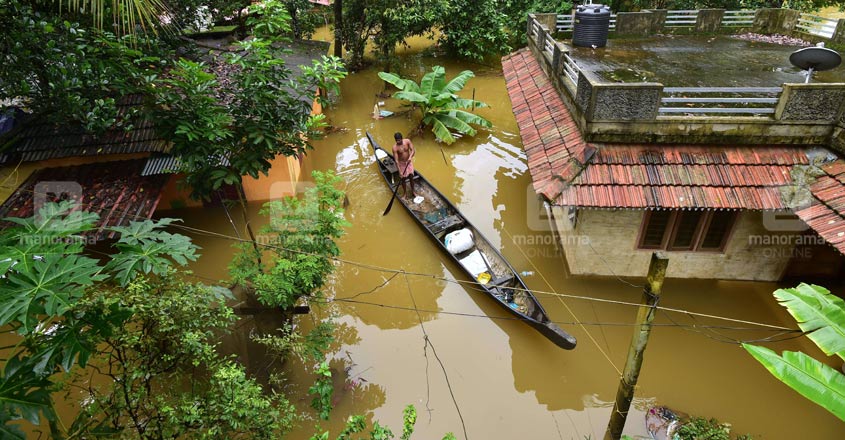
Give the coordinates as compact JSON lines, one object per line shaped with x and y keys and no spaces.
{"x":645,"y":315}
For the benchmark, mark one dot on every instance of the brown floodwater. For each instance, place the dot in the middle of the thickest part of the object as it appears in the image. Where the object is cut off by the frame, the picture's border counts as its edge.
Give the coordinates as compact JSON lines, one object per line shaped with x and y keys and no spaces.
{"x":507,"y":380}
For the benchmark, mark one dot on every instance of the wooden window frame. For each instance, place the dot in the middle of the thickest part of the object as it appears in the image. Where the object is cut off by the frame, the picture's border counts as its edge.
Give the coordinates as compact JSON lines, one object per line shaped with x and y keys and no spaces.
{"x":701,"y":228}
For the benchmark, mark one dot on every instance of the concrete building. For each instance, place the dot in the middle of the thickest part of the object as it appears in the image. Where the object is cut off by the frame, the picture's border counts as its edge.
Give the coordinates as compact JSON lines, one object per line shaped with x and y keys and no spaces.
{"x":740,"y":197}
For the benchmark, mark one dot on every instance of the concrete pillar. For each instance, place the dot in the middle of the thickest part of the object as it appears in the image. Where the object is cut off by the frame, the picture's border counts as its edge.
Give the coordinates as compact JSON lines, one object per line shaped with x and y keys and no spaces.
{"x":839,"y":33}
{"x":810,"y":102}
{"x":658,"y":19}
{"x":549,"y":20}
{"x":709,"y":20}
{"x":775,"y":21}
{"x":634,"y":23}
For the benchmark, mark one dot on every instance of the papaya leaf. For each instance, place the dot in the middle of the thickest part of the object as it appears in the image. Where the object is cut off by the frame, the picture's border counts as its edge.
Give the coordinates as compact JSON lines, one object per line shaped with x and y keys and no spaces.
{"x":812,"y":379}
{"x":48,"y":285}
{"x":24,"y":394}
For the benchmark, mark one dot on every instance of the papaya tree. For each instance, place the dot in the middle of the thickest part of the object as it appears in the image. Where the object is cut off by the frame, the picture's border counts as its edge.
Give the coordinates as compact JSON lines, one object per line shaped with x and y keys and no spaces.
{"x":441,"y":107}
{"x":821,"y":315}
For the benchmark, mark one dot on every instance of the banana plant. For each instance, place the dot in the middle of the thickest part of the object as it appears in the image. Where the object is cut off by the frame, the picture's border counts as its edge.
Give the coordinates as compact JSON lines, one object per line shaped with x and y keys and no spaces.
{"x":821,"y":316}
{"x":441,"y":107}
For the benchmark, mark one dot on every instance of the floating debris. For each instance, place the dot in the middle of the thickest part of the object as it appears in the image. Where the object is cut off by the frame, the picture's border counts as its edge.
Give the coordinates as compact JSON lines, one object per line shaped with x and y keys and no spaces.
{"x":783,"y":40}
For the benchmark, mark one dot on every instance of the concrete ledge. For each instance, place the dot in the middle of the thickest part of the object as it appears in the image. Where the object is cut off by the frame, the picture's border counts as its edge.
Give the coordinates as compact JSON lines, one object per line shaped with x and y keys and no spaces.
{"x":810,"y":102}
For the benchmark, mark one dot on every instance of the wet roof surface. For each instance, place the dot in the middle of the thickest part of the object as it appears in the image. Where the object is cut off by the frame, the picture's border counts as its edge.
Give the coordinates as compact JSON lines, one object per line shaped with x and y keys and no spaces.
{"x":697,"y":61}
{"x":569,"y":171}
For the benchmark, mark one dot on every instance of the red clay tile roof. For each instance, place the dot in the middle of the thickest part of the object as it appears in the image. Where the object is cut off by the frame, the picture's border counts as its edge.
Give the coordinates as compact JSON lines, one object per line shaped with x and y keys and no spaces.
{"x":569,"y":171}
{"x":556,"y":151}
{"x":114,"y":190}
{"x":827,"y":215}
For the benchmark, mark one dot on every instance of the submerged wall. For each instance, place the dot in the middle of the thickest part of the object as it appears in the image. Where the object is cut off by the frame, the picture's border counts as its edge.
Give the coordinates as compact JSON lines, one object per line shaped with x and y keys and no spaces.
{"x":604,"y":242}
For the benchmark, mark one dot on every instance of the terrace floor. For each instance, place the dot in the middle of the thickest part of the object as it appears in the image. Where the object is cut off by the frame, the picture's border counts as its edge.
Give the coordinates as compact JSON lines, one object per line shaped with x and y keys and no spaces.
{"x":697,"y":61}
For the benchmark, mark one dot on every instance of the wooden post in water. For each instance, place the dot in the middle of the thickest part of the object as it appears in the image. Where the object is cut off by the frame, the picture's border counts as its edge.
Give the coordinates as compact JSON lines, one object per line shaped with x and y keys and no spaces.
{"x":338,"y":23}
{"x":625,"y":392}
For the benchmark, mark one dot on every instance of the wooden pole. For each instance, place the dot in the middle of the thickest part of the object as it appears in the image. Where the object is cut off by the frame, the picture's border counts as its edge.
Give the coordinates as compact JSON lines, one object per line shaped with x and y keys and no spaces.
{"x":338,"y":25}
{"x":625,"y":392}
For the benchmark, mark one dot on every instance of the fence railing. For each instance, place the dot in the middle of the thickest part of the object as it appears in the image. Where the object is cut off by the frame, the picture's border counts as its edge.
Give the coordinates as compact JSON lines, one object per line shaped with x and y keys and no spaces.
{"x":811,"y":24}
{"x":815,"y":25}
{"x":799,"y":113}
{"x":738,"y":18}
{"x":565,"y":23}
{"x":681,"y":18}
{"x":570,"y":71}
{"x":719,"y":100}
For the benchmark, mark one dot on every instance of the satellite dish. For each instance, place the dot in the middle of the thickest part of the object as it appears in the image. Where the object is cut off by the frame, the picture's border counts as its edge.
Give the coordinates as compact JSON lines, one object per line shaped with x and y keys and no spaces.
{"x":813,"y":59}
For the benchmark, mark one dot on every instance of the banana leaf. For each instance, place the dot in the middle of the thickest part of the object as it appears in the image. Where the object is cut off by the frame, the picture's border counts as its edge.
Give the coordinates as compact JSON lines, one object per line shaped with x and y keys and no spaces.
{"x":819,"y":313}
{"x":812,"y":379}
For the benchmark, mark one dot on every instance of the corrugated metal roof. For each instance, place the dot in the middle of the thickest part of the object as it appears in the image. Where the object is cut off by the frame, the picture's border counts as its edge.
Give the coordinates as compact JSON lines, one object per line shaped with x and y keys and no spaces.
{"x":40,"y":141}
{"x":569,"y":171}
{"x":168,"y":164}
{"x":114,"y":190}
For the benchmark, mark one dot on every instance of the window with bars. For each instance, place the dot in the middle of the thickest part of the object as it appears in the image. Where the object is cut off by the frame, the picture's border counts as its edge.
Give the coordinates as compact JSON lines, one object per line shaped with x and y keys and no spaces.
{"x":704,"y":231}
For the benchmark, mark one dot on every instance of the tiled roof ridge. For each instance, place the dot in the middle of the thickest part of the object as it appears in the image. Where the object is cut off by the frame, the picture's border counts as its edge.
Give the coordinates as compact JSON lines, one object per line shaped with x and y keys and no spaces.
{"x":557,"y":153}
{"x":826,"y":215}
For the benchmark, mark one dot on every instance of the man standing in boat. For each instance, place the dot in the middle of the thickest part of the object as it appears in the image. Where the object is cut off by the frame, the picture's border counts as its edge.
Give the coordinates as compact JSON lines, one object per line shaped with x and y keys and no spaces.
{"x":403,"y":151}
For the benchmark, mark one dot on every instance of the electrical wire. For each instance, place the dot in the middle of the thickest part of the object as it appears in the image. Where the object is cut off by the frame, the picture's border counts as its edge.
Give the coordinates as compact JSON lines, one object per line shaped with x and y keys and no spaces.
{"x":463,"y":283}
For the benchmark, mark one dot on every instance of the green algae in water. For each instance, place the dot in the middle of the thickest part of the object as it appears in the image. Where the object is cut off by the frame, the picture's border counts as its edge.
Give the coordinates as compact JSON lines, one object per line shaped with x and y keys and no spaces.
{"x":626,"y":75}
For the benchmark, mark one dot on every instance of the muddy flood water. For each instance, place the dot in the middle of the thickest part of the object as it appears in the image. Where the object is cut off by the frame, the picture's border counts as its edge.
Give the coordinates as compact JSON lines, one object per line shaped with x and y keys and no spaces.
{"x":507,"y":380}
{"x":498,"y":378}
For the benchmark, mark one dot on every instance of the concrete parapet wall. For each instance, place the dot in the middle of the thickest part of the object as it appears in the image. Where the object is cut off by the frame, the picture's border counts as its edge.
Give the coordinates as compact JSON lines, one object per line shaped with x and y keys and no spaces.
{"x":715,"y":130}
{"x":775,"y":21}
{"x":548,"y":20}
{"x":612,"y":249}
{"x":810,"y":102}
{"x":625,"y":102}
{"x":709,"y":20}
{"x":806,"y":114}
{"x":636,"y":23}
{"x":658,"y":19}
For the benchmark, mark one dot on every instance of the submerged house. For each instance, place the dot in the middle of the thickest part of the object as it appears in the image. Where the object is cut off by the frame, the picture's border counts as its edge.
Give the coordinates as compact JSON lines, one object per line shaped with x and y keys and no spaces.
{"x":750,"y":197}
{"x":123,"y":174}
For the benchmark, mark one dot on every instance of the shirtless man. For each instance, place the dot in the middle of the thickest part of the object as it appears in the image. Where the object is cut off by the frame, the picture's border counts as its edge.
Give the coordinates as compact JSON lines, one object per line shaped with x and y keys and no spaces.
{"x":403,"y":151}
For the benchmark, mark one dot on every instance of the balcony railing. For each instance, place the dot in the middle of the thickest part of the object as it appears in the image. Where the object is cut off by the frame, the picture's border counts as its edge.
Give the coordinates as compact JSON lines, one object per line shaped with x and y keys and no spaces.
{"x":810,"y":114}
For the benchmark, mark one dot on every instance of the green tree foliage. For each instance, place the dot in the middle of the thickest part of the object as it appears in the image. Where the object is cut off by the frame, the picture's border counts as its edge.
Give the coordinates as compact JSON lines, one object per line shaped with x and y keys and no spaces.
{"x":66,"y":72}
{"x":299,"y":237}
{"x":474,"y":29}
{"x":130,"y":318}
{"x":224,"y":130}
{"x":387,"y":23}
{"x":801,"y":5}
{"x":821,"y":315}
{"x":441,"y":107}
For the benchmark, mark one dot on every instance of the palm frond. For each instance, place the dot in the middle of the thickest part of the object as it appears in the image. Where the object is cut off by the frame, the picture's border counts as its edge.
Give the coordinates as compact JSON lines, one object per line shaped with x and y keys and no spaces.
{"x":812,"y":379}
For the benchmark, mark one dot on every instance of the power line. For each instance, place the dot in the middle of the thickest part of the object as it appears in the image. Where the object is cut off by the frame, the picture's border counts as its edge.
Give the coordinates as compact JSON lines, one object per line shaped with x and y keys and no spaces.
{"x":464,"y":283}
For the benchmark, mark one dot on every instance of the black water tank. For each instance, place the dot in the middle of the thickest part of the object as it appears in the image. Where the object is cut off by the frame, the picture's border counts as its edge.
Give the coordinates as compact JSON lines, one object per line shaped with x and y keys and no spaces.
{"x":592,"y":23}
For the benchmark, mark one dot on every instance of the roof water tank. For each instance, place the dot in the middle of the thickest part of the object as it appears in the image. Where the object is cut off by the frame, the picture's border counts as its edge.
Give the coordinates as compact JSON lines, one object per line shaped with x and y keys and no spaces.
{"x":592,"y":23}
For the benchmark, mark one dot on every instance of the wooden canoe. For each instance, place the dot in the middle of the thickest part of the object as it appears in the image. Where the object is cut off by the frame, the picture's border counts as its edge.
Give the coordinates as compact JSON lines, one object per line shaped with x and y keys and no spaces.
{"x":482,"y":262}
